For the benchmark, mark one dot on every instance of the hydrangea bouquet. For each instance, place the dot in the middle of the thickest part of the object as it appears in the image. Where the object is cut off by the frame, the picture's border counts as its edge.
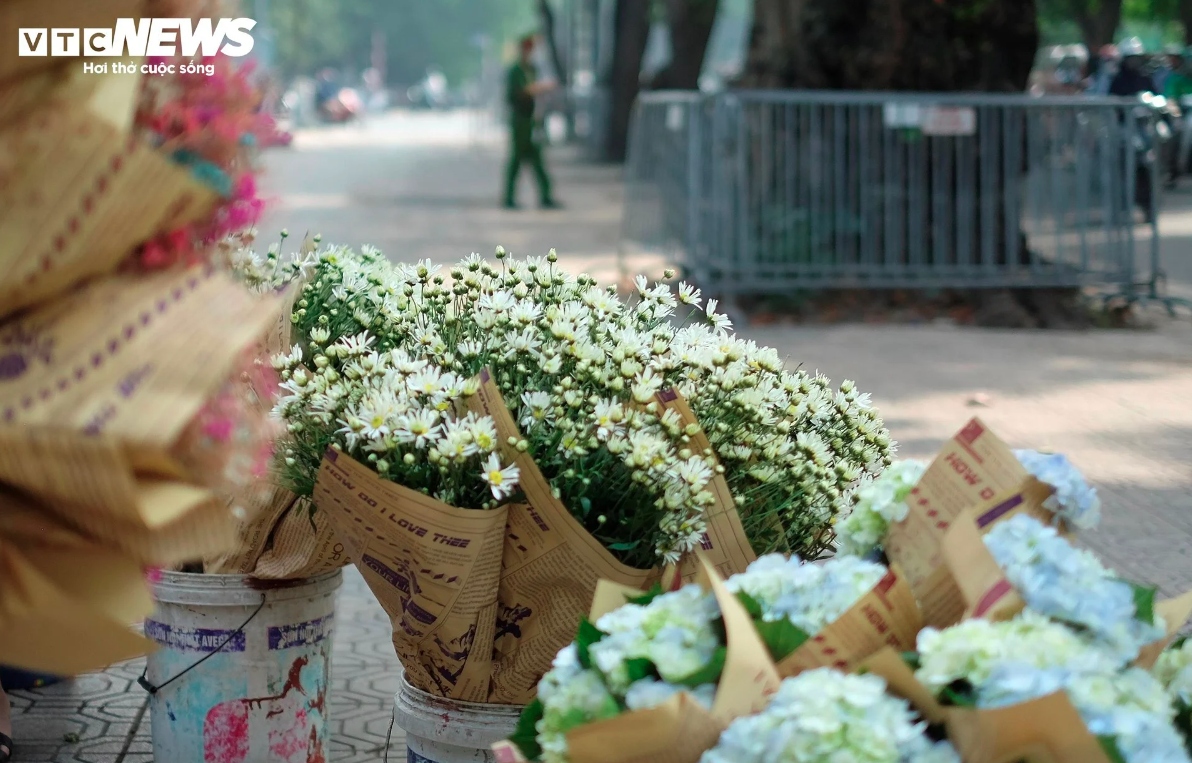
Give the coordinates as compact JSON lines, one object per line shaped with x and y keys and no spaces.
{"x":882,"y":502}
{"x":658,"y":661}
{"x":1174,"y":671}
{"x":824,"y":716}
{"x":835,"y":613}
{"x":1031,"y":663}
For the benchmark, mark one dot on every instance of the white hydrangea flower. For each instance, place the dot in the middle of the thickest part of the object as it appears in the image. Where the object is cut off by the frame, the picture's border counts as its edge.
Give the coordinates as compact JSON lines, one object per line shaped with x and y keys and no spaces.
{"x":824,"y":716}
{"x":1070,"y":584}
{"x":879,"y":504}
{"x":810,"y":596}
{"x":1174,"y":670}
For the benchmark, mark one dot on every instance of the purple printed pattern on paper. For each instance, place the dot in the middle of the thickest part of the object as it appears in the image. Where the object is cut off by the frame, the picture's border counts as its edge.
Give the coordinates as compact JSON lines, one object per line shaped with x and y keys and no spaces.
{"x":194,"y":639}
{"x":999,"y":511}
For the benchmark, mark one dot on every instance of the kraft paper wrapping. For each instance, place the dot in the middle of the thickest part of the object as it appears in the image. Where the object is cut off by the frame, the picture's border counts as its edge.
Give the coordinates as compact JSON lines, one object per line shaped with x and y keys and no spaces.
{"x":1044,"y":730}
{"x":18,"y":14}
{"x":680,"y":730}
{"x":286,"y":540}
{"x":552,"y":565}
{"x":980,"y":580}
{"x":973,"y":468}
{"x":434,"y":568}
{"x":886,"y":616}
{"x":128,"y":358}
{"x":76,"y":197}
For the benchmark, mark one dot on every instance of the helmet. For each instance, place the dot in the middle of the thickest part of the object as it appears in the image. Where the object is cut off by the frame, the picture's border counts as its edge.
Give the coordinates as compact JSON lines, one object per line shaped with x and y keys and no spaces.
{"x":1173,"y":50}
{"x":1131,"y":47}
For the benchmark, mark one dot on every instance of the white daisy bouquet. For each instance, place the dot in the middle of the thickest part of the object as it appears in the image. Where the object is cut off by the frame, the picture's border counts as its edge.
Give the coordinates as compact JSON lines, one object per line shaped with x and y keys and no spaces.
{"x":580,"y":369}
{"x":1173,"y":669}
{"x":679,"y":664}
{"x":824,"y":716}
{"x":1028,"y":675}
{"x":602,"y":436}
{"x":835,"y":613}
{"x":882,"y":502}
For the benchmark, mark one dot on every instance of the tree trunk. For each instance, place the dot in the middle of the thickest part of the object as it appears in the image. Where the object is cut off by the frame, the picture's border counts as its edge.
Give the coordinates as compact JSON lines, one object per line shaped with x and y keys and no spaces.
{"x":631,"y":30}
{"x":1185,"y":14}
{"x":691,"y":23}
{"x":1097,"y":26}
{"x":556,"y":60}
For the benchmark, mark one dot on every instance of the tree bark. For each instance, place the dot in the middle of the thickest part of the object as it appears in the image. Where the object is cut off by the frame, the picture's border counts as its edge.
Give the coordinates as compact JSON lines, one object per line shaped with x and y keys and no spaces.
{"x":1185,"y":15}
{"x":631,"y":30}
{"x":1097,"y":26}
{"x":691,"y":23}
{"x":556,"y":60}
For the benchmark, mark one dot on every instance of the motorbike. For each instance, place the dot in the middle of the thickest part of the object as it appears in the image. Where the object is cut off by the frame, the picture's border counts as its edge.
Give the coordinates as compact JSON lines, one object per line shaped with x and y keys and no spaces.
{"x":345,"y":106}
{"x":1151,"y":138}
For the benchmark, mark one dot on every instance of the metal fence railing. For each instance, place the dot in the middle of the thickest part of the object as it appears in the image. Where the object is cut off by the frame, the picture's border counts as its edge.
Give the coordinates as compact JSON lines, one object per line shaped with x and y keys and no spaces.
{"x":758,"y":192}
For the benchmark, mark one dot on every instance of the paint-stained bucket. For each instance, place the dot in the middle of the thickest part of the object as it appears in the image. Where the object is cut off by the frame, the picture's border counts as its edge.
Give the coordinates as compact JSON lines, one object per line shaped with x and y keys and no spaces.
{"x":446,"y":731}
{"x":261,"y":695}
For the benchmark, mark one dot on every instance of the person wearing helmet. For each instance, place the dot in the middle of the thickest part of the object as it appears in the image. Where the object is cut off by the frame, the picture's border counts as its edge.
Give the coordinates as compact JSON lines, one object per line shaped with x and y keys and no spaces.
{"x":522,"y":87}
{"x":1102,"y":69}
{"x":1179,"y":82}
{"x":1177,"y":89}
{"x":1133,"y":78}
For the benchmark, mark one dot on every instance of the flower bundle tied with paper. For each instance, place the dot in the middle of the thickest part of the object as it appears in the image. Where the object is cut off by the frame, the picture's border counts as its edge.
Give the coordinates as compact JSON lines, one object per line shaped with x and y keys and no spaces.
{"x":1031,"y":684}
{"x":654,"y":678}
{"x":931,"y":520}
{"x":609,"y":441}
{"x":129,"y":413}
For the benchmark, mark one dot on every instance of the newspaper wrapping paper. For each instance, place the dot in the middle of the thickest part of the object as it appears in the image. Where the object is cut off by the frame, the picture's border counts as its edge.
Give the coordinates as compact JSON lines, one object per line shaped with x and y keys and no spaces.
{"x":76,"y":196}
{"x":973,"y":468}
{"x":434,"y":568}
{"x":886,"y":616}
{"x":66,"y":604}
{"x":281,"y":537}
{"x":551,"y":564}
{"x":95,"y":389}
{"x":46,"y":14}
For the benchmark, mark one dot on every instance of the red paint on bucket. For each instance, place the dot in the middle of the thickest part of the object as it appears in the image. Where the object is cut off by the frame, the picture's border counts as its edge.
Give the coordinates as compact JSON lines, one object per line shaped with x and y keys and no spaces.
{"x":225,"y":733}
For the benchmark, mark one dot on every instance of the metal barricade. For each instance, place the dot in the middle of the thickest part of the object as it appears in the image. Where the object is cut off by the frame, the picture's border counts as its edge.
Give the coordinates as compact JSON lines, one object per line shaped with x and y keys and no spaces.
{"x":764,"y":192}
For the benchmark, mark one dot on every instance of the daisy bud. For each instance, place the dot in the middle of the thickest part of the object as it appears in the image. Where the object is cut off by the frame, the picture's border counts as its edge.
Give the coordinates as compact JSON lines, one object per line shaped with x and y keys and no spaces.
{"x":552,"y":256}
{"x":408,"y":459}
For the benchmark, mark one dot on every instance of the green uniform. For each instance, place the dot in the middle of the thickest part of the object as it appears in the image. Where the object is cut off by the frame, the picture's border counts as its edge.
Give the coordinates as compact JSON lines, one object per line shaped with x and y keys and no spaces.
{"x":1178,"y":85}
{"x":523,"y":145}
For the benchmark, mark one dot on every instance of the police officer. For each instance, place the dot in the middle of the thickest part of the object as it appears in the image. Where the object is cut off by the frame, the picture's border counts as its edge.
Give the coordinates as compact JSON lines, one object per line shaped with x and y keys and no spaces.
{"x":522,"y":87}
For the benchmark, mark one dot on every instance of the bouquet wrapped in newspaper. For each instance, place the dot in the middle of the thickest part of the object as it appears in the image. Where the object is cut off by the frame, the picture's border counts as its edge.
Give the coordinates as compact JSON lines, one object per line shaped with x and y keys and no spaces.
{"x":650,"y":677}
{"x":663,"y":656}
{"x":491,"y":441}
{"x":1032,"y":687}
{"x":130,"y":406}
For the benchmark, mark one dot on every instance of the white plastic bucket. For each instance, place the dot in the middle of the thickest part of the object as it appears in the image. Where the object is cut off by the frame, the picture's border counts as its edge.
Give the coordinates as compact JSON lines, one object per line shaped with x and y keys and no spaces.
{"x":259,"y":699}
{"x":447,"y":731}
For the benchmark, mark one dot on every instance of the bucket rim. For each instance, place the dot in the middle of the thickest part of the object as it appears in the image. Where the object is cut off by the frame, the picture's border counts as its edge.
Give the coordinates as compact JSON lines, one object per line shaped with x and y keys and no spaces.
{"x":453,"y":705}
{"x":238,"y":590}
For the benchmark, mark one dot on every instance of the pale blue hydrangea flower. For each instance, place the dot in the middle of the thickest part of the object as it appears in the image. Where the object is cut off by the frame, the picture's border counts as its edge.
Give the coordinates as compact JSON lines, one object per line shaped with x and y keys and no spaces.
{"x":810,"y":596}
{"x":1074,"y":499}
{"x":824,"y":716}
{"x":571,"y":696}
{"x":1070,"y":584}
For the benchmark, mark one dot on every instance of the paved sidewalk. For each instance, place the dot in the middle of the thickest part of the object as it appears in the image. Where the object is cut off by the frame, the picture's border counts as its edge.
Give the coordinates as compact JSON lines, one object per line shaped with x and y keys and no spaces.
{"x":1119,"y":403}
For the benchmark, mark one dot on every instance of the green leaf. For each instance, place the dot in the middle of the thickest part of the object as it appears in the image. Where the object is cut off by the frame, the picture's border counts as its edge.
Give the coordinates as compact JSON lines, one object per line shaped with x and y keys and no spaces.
{"x":958,"y":694}
{"x":588,"y":634}
{"x":751,"y":605}
{"x":709,"y":673}
{"x":781,"y":637}
{"x":1144,"y":602}
{"x":639,"y":668}
{"x":1183,"y":722}
{"x":1112,"y":751}
{"x":647,"y":597}
{"x":624,"y":546}
{"x":586,"y":505}
{"x":1179,"y":643}
{"x":912,"y":660}
{"x":525,"y":737}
